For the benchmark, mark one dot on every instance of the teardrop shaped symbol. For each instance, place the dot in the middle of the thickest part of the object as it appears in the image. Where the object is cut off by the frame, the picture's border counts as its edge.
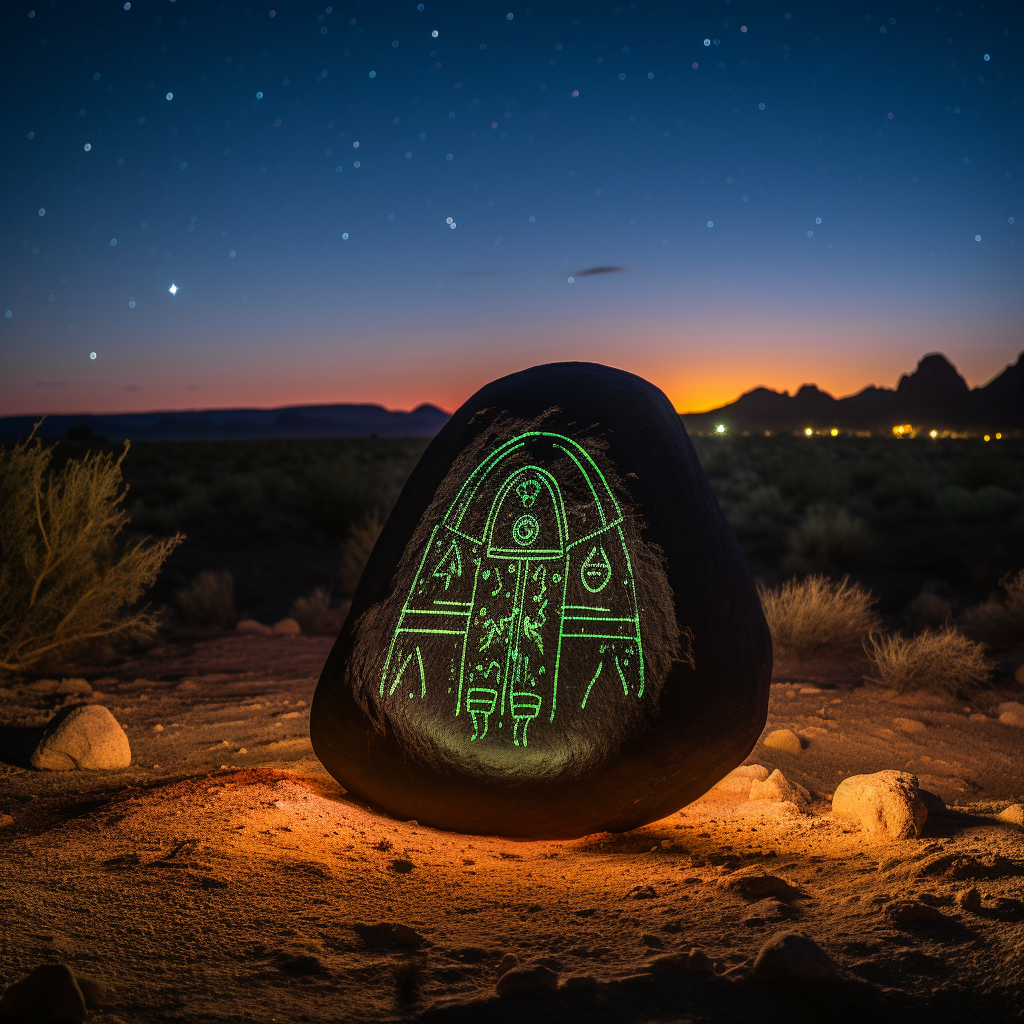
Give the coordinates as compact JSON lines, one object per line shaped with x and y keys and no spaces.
{"x":596,"y":570}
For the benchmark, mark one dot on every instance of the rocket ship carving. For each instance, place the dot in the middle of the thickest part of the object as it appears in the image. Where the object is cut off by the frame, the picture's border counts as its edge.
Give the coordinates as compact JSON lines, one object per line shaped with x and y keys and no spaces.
{"x":523,"y":610}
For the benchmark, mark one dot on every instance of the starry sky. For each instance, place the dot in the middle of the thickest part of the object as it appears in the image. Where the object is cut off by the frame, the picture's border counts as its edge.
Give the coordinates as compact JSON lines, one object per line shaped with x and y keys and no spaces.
{"x":269,"y":203}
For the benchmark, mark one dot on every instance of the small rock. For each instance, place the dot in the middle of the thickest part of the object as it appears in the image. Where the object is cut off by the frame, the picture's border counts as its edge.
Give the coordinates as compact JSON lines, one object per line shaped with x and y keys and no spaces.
{"x":158,"y":727}
{"x":250,"y":627}
{"x":1013,"y":814}
{"x":1015,"y":718}
{"x":886,"y":803}
{"x":784,"y":739}
{"x":533,"y":980}
{"x":909,"y":725}
{"x":402,"y":866}
{"x":49,"y":995}
{"x":1019,"y":674}
{"x":979,"y":717}
{"x":753,"y":884}
{"x":735,"y":787}
{"x":6,"y":820}
{"x":286,"y":627}
{"x":75,"y":686}
{"x":299,"y":965}
{"x":779,"y":789}
{"x":969,"y":899}
{"x":389,"y":936}
{"x":508,"y":961}
{"x":83,"y":736}
{"x":794,"y":955}
{"x":913,"y":914}
{"x":694,"y":962}
{"x":1012,"y":707}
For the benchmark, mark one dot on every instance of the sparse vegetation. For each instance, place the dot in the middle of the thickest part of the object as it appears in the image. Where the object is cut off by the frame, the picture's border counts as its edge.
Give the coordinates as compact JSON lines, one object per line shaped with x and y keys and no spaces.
{"x":208,"y":602}
{"x":942,"y":660}
{"x":66,"y":576}
{"x":316,"y":615}
{"x":830,"y":535}
{"x":818,"y":615}
{"x":1000,"y":623}
{"x":355,"y":551}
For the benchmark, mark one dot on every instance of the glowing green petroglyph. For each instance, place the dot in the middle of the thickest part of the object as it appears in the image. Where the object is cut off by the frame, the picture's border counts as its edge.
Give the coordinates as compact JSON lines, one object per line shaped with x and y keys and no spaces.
{"x":533,"y":535}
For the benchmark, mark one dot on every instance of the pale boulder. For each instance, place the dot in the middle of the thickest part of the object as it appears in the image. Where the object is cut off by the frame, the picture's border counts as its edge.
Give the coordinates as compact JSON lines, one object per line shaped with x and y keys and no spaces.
{"x":779,"y":789}
{"x":789,"y":956}
{"x":250,"y":627}
{"x":735,"y":787}
{"x":784,"y":739}
{"x":886,"y":804}
{"x":1014,"y":814}
{"x":84,"y":736}
{"x":286,"y":627}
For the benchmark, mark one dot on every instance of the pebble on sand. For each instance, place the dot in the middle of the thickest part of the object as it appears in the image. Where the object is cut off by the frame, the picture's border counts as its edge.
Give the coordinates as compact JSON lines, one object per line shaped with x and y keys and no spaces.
{"x":286,"y":627}
{"x":735,"y":787}
{"x":784,"y":739}
{"x":1011,"y":712}
{"x":250,"y":627}
{"x":83,"y":736}
{"x":909,"y":725}
{"x":74,"y":686}
{"x":913,"y":914}
{"x":886,"y":804}
{"x":531,"y":980}
{"x":753,"y":884}
{"x":779,"y":789}
{"x":969,"y":899}
{"x":794,"y":956}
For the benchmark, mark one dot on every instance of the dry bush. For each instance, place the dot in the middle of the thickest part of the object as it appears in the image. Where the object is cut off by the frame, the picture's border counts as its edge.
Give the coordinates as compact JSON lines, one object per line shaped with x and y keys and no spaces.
{"x":941,"y":660}
{"x":208,"y":602}
{"x":928,"y":609}
{"x":66,"y":578}
{"x":818,"y":614}
{"x":1000,"y":623}
{"x":315,"y":614}
{"x":355,"y":551}
{"x":831,"y":535}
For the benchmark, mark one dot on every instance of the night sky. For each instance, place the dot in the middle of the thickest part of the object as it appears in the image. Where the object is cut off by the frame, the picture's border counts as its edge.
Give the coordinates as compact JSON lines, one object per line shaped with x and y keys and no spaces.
{"x":397,"y":202}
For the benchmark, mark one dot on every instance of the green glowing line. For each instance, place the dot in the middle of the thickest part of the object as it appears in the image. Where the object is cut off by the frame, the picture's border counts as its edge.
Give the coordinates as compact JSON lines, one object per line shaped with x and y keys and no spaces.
{"x":418,"y":629}
{"x":398,"y":674}
{"x":558,"y":652}
{"x":622,"y":678}
{"x":412,"y":590}
{"x":586,"y":476}
{"x":465,"y":641}
{"x":583,"y":608}
{"x":437,"y":611}
{"x":600,"y":665}
{"x":423,"y":678}
{"x":461,"y":604}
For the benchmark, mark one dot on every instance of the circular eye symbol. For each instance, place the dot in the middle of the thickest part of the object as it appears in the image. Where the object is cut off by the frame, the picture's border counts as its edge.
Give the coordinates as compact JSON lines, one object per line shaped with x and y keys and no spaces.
{"x":525,"y":530}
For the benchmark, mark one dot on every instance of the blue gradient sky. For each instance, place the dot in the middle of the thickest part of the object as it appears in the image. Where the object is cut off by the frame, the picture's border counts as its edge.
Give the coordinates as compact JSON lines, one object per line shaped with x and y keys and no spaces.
{"x":887,"y":123}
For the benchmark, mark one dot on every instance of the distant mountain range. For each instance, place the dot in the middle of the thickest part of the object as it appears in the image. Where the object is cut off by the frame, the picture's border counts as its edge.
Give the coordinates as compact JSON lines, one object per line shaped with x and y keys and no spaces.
{"x":222,"y":424}
{"x":933,"y":397}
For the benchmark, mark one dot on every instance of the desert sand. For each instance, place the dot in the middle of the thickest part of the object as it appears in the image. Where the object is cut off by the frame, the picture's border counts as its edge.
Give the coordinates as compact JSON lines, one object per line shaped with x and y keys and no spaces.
{"x":225,"y":876}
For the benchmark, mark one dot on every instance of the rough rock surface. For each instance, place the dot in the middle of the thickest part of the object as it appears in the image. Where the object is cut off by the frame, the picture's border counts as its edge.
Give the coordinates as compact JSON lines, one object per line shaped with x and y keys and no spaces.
{"x":49,"y":995}
{"x":1013,"y":814}
{"x":886,"y":803}
{"x":784,"y":739}
{"x":555,"y":634}
{"x":794,"y":955}
{"x":83,"y":736}
{"x":1011,"y":712}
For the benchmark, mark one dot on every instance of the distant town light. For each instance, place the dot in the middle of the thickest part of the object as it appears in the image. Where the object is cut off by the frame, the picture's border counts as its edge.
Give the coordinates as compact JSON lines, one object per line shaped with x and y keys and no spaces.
{"x":173,"y":289}
{"x":834,"y":432}
{"x":999,"y":437}
{"x":808,"y":431}
{"x":933,"y":433}
{"x":720,"y":428}
{"x":987,"y":438}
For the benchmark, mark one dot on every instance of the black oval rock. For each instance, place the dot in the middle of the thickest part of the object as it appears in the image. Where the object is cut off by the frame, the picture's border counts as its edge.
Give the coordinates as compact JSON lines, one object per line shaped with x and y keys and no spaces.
{"x":556,"y":633}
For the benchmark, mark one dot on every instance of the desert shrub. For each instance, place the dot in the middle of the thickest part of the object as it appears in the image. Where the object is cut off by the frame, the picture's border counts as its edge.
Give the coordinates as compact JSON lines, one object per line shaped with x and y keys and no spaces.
{"x":315,"y":614}
{"x":355,"y":551}
{"x":1000,"y":623}
{"x":66,"y":578}
{"x":942,"y":660}
{"x":208,"y":602}
{"x":928,"y":609}
{"x":832,"y":535}
{"x":818,"y":614}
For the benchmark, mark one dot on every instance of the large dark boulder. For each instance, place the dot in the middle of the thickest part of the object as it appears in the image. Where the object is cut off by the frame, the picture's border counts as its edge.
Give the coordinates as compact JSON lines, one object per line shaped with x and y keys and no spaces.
{"x":556,"y":633}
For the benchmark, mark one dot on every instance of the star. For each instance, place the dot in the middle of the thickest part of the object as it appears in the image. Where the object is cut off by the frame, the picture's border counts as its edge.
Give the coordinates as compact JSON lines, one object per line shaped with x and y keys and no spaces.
{"x":173,"y":289}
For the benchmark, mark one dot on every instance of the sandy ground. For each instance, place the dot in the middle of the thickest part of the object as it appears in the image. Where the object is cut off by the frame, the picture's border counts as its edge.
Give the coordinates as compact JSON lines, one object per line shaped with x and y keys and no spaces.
{"x":225,"y":877}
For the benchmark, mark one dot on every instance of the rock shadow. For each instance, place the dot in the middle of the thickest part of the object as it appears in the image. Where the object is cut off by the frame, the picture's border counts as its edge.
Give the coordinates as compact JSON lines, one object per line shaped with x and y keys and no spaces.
{"x":17,"y":744}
